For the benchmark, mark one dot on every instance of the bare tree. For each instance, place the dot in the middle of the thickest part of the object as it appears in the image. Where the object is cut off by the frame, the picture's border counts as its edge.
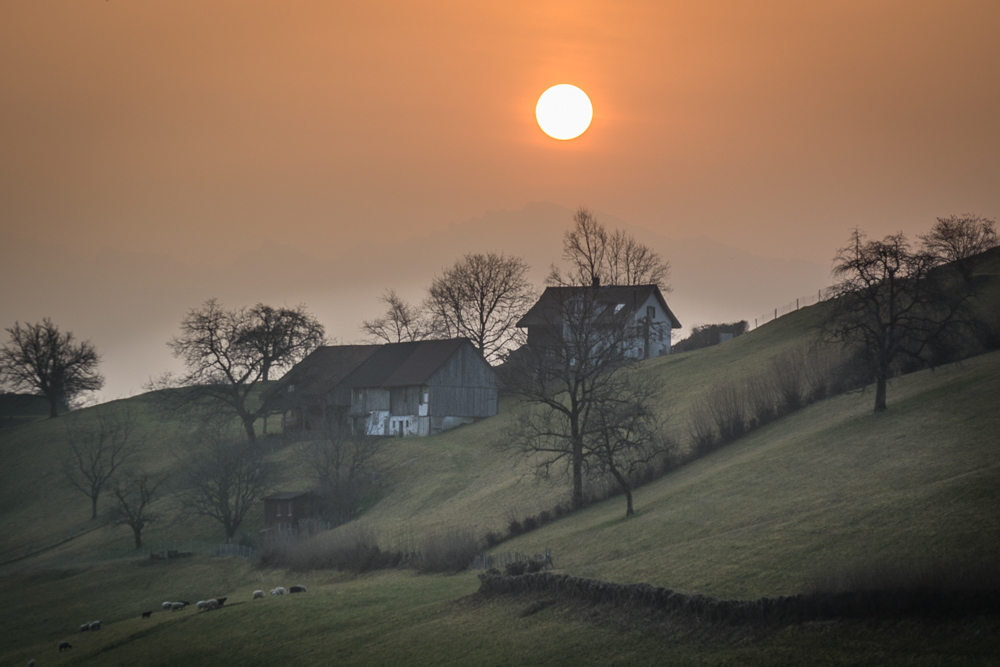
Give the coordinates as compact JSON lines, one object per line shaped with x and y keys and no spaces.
{"x":401,"y":321}
{"x":890,"y":304}
{"x":960,"y":240}
{"x":227,"y":478}
{"x":40,"y":358}
{"x":628,"y":431}
{"x":281,"y":337}
{"x":229,"y":352}
{"x":134,"y":492}
{"x":596,"y":256}
{"x":342,"y":469}
{"x":562,"y":381}
{"x":481,"y":298}
{"x":98,"y":447}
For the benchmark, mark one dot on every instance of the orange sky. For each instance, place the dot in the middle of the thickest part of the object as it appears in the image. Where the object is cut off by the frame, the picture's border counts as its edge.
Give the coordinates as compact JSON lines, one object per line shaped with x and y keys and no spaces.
{"x":203,"y":129}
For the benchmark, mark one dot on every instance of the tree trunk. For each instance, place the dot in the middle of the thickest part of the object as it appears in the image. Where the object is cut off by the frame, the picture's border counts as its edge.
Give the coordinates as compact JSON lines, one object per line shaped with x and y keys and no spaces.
{"x":93,"y":507}
{"x":880,"y":385}
{"x":628,"y":504}
{"x":53,"y":407}
{"x":577,"y":476}
{"x":137,"y":534}
{"x":248,"y":427}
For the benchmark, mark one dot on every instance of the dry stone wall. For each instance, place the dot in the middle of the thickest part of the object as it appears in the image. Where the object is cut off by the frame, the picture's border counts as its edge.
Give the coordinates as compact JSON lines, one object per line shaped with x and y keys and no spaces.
{"x":794,"y":608}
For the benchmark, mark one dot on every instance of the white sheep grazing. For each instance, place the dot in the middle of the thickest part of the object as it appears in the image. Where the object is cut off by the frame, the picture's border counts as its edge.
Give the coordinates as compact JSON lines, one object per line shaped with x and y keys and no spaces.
{"x":166,"y":606}
{"x":177,"y":606}
{"x":202,"y":604}
{"x":85,"y":627}
{"x":95,"y":625}
{"x":279,"y":591}
{"x":258,"y":594}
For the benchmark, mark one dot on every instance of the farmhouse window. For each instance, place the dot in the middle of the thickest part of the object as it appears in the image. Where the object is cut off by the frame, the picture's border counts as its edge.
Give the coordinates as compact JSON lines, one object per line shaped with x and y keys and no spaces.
{"x":651,"y":312}
{"x":289,"y":509}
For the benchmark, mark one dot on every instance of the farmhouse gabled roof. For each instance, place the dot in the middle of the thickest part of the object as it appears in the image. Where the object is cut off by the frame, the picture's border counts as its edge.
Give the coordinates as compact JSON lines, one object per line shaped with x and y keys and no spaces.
{"x":547,"y":310}
{"x":405,"y":364}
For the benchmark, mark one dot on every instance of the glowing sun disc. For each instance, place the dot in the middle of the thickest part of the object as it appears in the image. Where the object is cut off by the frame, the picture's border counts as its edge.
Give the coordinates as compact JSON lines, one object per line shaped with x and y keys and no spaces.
{"x":564,"y":112}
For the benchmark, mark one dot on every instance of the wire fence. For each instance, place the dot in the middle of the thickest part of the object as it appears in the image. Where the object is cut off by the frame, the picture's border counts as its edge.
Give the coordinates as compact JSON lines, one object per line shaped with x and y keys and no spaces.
{"x":792,"y":306}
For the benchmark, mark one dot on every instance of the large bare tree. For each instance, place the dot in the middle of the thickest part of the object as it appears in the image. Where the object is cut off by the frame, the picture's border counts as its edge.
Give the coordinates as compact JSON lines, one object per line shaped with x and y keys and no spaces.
{"x":99,"y":443}
{"x":134,"y":492}
{"x":229,"y":352}
{"x":481,"y":298}
{"x":563,"y":382}
{"x":401,"y":322}
{"x":597,"y":256}
{"x":226,"y":478}
{"x":891,"y":304}
{"x":960,"y":240}
{"x":281,"y":336}
{"x":40,"y":358}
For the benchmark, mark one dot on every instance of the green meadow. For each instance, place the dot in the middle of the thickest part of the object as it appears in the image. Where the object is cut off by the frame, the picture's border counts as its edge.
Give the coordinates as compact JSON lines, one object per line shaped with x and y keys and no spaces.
{"x":822,"y":492}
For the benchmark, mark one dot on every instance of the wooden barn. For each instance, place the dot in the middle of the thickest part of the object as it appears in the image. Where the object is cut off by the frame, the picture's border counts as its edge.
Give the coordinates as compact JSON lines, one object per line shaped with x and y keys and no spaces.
{"x":283,"y":511}
{"x":312,"y":393}
{"x":398,"y":389}
{"x":422,"y":387}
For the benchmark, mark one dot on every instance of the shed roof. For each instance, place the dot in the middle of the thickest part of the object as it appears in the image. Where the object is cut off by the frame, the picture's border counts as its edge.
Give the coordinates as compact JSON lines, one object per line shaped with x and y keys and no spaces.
{"x":287,"y":495}
{"x":405,"y":364}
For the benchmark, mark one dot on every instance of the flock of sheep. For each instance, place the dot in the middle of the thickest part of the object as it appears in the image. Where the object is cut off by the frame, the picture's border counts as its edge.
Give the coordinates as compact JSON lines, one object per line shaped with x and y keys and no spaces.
{"x":203,"y":605}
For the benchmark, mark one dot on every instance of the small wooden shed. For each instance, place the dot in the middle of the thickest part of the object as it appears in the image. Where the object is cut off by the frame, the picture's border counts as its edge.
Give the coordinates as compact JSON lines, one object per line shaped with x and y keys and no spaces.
{"x":284,"y":510}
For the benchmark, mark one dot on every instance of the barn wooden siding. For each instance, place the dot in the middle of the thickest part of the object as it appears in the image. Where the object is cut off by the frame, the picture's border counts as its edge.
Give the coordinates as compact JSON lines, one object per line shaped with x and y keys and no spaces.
{"x":463,"y":387}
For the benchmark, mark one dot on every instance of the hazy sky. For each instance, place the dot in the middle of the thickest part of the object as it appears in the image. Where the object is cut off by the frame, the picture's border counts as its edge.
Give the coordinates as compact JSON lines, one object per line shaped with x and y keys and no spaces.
{"x":205,"y":128}
{"x":212,"y":131}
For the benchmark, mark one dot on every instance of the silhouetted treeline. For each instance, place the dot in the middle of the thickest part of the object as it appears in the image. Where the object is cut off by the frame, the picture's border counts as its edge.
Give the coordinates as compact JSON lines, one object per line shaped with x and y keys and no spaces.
{"x":707,"y":335}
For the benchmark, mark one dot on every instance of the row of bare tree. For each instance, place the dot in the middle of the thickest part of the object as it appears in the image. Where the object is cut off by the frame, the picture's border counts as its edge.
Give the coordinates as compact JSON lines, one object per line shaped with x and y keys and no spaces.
{"x":482,"y":296}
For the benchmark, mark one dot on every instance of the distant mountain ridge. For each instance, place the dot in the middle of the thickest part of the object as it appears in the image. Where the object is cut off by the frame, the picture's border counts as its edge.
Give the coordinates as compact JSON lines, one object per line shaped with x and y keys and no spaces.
{"x":130,"y":304}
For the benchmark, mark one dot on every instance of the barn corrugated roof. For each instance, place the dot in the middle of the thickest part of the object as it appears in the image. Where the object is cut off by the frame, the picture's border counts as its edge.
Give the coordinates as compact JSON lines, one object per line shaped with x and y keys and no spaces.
{"x":324,"y":368}
{"x":404,"y":364}
{"x":547,"y":310}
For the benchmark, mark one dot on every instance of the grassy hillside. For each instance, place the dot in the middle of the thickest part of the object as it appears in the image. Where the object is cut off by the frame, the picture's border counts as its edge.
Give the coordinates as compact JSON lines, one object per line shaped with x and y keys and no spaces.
{"x":830,"y":487}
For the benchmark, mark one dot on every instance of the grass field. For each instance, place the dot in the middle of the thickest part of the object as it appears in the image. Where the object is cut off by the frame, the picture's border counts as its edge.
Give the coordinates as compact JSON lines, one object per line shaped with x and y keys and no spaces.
{"x":826,"y":489}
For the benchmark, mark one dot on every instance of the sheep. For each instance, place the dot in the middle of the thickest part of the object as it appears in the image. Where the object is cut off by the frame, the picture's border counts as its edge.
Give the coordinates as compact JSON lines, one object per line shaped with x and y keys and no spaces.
{"x":221,"y":601}
{"x":95,"y":626}
{"x":278,"y":591}
{"x":147,"y":614}
{"x":177,"y":606}
{"x":258,"y":594}
{"x":85,"y":627}
{"x":166,"y":606}
{"x":205,"y":605}
{"x":297,"y":589}
{"x":64,"y":646}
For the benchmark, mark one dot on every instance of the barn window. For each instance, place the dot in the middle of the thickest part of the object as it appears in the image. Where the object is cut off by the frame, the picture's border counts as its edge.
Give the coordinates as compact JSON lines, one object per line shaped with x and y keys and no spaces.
{"x":651,"y":312}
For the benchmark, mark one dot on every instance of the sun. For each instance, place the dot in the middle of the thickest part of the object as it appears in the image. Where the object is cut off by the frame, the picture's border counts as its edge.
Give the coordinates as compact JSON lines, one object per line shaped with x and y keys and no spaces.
{"x":564,"y":112}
